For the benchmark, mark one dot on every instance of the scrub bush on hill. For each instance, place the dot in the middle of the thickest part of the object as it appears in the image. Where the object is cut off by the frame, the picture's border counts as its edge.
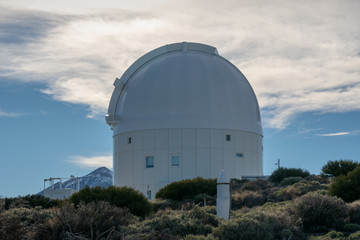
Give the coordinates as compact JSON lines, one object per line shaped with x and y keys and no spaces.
{"x":95,"y":220}
{"x":22,"y":223}
{"x":347,"y":187}
{"x":318,"y":213}
{"x":117,"y":196}
{"x":260,"y":226}
{"x":338,"y":167}
{"x":290,"y":181}
{"x":257,"y":185}
{"x":354,"y":212}
{"x":31,"y":201}
{"x":173,"y":225}
{"x":329,"y":236}
{"x":187,"y":189}
{"x":281,"y":173}
{"x":296,"y":190}
{"x":247,"y":199}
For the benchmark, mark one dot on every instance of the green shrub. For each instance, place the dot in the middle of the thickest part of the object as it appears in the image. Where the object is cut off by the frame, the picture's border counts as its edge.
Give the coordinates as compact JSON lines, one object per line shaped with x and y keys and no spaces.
{"x":94,"y":220}
{"x":329,"y":236}
{"x":281,"y":173}
{"x":320,"y":212}
{"x":31,"y":201}
{"x":351,"y":227}
{"x":196,"y":237}
{"x":247,"y":199}
{"x":170,"y":225}
{"x":237,"y":183}
{"x":354,"y":212}
{"x":200,"y":198}
{"x":205,"y":217}
{"x":257,"y":185}
{"x":22,"y":223}
{"x":296,"y":190}
{"x":290,"y":181}
{"x":347,"y":187}
{"x":338,"y":167}
{"x":354,"y":236}
{"x":265,"y":227}
{"x":187,"y":189}
{"x":120,"y":197}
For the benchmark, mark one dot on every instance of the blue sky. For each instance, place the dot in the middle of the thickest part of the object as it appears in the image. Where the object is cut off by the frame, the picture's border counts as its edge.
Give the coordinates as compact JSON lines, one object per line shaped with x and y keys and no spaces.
{"x":58,"y":60}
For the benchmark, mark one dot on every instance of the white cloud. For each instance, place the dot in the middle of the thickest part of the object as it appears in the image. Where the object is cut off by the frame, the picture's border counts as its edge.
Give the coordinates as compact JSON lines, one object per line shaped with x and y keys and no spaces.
{"x":298,"y":56}
{"x":8,"y":114}
{"x":338,"y":134}
{"x":94,"y":161}
{"x":334,"y":134}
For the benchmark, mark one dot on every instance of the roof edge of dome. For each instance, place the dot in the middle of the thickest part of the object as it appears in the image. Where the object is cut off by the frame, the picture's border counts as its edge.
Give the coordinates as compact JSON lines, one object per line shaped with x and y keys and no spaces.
{"x":121,"y":82}
{"x":183,"y":46}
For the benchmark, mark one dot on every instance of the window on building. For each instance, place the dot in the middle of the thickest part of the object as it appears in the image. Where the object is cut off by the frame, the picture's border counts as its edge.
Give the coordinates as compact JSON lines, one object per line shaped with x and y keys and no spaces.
{"x":228,"y":137}
{"x":239,"y":155}
{"x":149,"y":195}
{"x":149,"y":161}
{"x":175,"y":161}
{"x":129,"y":140}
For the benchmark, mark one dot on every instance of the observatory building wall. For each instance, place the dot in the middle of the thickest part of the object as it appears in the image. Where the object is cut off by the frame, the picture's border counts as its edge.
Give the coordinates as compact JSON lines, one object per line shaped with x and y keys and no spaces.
{"x":183,"y":153}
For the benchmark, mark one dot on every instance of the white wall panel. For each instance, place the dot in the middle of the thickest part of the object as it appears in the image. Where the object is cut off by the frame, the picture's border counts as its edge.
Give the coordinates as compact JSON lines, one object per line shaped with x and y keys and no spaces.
{"x":229,"y":144}
{"x":189,"y":138}
{"x":203,"y":162}
{"x":189,"y":163}
{"x":202,"y":138}
{"x":138,"y":140}
{"x":138,"y":169}
{"x":216,"y":138}
{"x":149,"y":139}
{"x":162,"y":165}
{"x":216,"y":162}
{"x":229,"y":164}
{"x":175,"y":138}
{"x":162,"y":138}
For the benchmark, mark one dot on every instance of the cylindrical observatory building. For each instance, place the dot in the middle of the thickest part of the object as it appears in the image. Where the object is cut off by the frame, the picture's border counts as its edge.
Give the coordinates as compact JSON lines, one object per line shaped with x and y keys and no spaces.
{"x":183,"y":111}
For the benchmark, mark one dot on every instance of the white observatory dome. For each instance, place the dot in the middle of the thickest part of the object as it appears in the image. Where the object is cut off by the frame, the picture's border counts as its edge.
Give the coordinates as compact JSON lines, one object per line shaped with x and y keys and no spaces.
{"x":182,"y":111}
{"x":183,"y":85}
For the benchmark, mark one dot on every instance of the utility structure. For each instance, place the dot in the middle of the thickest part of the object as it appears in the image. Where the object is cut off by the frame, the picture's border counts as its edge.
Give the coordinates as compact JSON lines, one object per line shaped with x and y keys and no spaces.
{"x":223,"y":196}
{"x":183,"y":111}
{"x":60,"y":192}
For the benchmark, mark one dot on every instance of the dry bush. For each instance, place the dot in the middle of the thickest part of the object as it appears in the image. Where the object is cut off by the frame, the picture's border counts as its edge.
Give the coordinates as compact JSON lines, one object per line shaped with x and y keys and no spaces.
{"x":94,"y":220}
{"x":259,"y":184}
{"x":204,"y":216}
{"x":22,"y":223}
{"x":296,"y":190}
{"x":318,"y":213}
{"x":354,"y":236}
{"x":329,"y":236}
{"x":250,"y":227}
{"x":172,"y":225}
{"x":354,"y":211}
{"x":247,"y":199}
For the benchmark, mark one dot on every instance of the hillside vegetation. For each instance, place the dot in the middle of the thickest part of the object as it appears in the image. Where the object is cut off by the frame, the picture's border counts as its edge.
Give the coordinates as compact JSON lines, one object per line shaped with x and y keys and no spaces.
{"x":293,"y":206}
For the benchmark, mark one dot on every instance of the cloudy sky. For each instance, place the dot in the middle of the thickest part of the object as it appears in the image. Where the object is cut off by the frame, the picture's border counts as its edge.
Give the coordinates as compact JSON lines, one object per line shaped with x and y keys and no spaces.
{"x":58,"y":60}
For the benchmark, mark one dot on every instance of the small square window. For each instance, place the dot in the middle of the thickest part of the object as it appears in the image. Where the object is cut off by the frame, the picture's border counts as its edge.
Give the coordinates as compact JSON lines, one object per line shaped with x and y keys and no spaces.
{"x":149,"y":161}
{"x":175,"y":161}
{"x":239,"y":155}
{"x":228,"y":137}
{"x":129,"y":140}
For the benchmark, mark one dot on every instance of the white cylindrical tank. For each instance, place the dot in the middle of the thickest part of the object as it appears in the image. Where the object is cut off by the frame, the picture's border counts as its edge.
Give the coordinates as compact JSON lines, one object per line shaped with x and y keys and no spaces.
{"x":223,"y":196}
{"x":183,"y":111}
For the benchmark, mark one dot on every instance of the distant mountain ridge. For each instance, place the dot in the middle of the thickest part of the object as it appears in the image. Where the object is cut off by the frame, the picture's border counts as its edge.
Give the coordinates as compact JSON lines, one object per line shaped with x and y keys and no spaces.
{"x":101,"y":176}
